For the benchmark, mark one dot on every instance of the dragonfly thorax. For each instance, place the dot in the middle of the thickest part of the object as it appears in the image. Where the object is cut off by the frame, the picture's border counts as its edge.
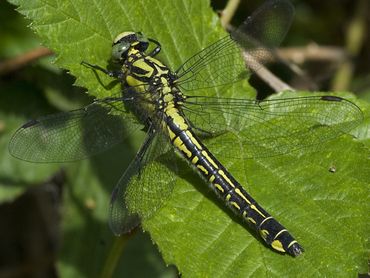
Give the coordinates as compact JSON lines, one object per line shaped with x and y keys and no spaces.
{"x":150,"y":78}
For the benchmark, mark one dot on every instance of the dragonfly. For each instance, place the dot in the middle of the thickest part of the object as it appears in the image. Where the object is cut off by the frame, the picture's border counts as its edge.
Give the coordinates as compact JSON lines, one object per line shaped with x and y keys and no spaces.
{"x":177,"y":120}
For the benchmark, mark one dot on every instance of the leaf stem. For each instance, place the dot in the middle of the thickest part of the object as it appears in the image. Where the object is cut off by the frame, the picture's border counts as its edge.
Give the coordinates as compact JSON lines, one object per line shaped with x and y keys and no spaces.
{"x":114,"y":255}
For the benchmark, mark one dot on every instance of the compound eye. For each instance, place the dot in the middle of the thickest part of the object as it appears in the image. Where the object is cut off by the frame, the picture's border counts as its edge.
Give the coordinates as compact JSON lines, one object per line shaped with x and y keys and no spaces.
{"x":119,"y":51}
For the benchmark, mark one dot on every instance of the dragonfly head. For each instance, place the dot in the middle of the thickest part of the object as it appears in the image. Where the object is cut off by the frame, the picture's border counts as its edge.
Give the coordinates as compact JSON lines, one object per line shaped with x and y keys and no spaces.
{"x":126,"y":43}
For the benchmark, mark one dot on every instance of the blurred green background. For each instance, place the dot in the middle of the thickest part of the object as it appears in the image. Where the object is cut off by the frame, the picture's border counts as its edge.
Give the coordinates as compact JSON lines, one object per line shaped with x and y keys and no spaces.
{"x":329,"y":40}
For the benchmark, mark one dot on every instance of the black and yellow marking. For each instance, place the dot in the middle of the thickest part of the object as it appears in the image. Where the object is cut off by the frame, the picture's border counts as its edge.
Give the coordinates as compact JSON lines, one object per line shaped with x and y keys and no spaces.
{"x":147,"y":71}
{"x":151,"y":91}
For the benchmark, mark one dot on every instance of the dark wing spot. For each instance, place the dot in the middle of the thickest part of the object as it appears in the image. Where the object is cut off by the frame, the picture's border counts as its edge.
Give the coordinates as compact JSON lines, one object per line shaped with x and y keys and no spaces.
{"x":30,"y":123}
{"x":331,"y":98}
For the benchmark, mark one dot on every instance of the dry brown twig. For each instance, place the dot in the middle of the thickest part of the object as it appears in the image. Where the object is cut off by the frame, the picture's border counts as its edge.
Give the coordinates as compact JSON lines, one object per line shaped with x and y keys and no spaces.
{"x":24,"y":59}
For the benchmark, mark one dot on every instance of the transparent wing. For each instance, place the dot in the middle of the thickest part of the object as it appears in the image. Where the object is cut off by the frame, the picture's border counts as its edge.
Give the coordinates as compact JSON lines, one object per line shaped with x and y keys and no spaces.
{"x":221,"y":63}
{"x":138,"y":195}
{"x":272,"y":127}
{"x":73,"y":135}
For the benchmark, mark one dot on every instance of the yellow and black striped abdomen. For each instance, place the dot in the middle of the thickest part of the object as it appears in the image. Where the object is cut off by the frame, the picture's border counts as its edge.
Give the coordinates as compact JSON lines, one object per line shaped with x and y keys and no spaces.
{"x":151,"y":73}
{"x":226,"y":187}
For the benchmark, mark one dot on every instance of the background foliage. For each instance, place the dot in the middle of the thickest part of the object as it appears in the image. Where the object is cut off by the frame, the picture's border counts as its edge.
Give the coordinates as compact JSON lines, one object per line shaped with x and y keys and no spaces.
{"x":65,"y":213}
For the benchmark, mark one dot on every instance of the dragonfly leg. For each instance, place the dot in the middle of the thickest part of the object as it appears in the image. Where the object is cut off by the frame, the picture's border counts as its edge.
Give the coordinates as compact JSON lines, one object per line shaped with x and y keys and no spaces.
{"x":156,"y":50}
{"x":112,"y":73}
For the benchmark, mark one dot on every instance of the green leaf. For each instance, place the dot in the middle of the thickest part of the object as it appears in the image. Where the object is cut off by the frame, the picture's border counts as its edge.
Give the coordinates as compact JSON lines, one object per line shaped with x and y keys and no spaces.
{"x":327,"y":212}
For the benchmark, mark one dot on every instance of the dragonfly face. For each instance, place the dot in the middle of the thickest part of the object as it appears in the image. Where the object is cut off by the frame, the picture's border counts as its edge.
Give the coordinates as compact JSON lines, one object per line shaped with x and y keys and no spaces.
{"x":128,"y":43}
